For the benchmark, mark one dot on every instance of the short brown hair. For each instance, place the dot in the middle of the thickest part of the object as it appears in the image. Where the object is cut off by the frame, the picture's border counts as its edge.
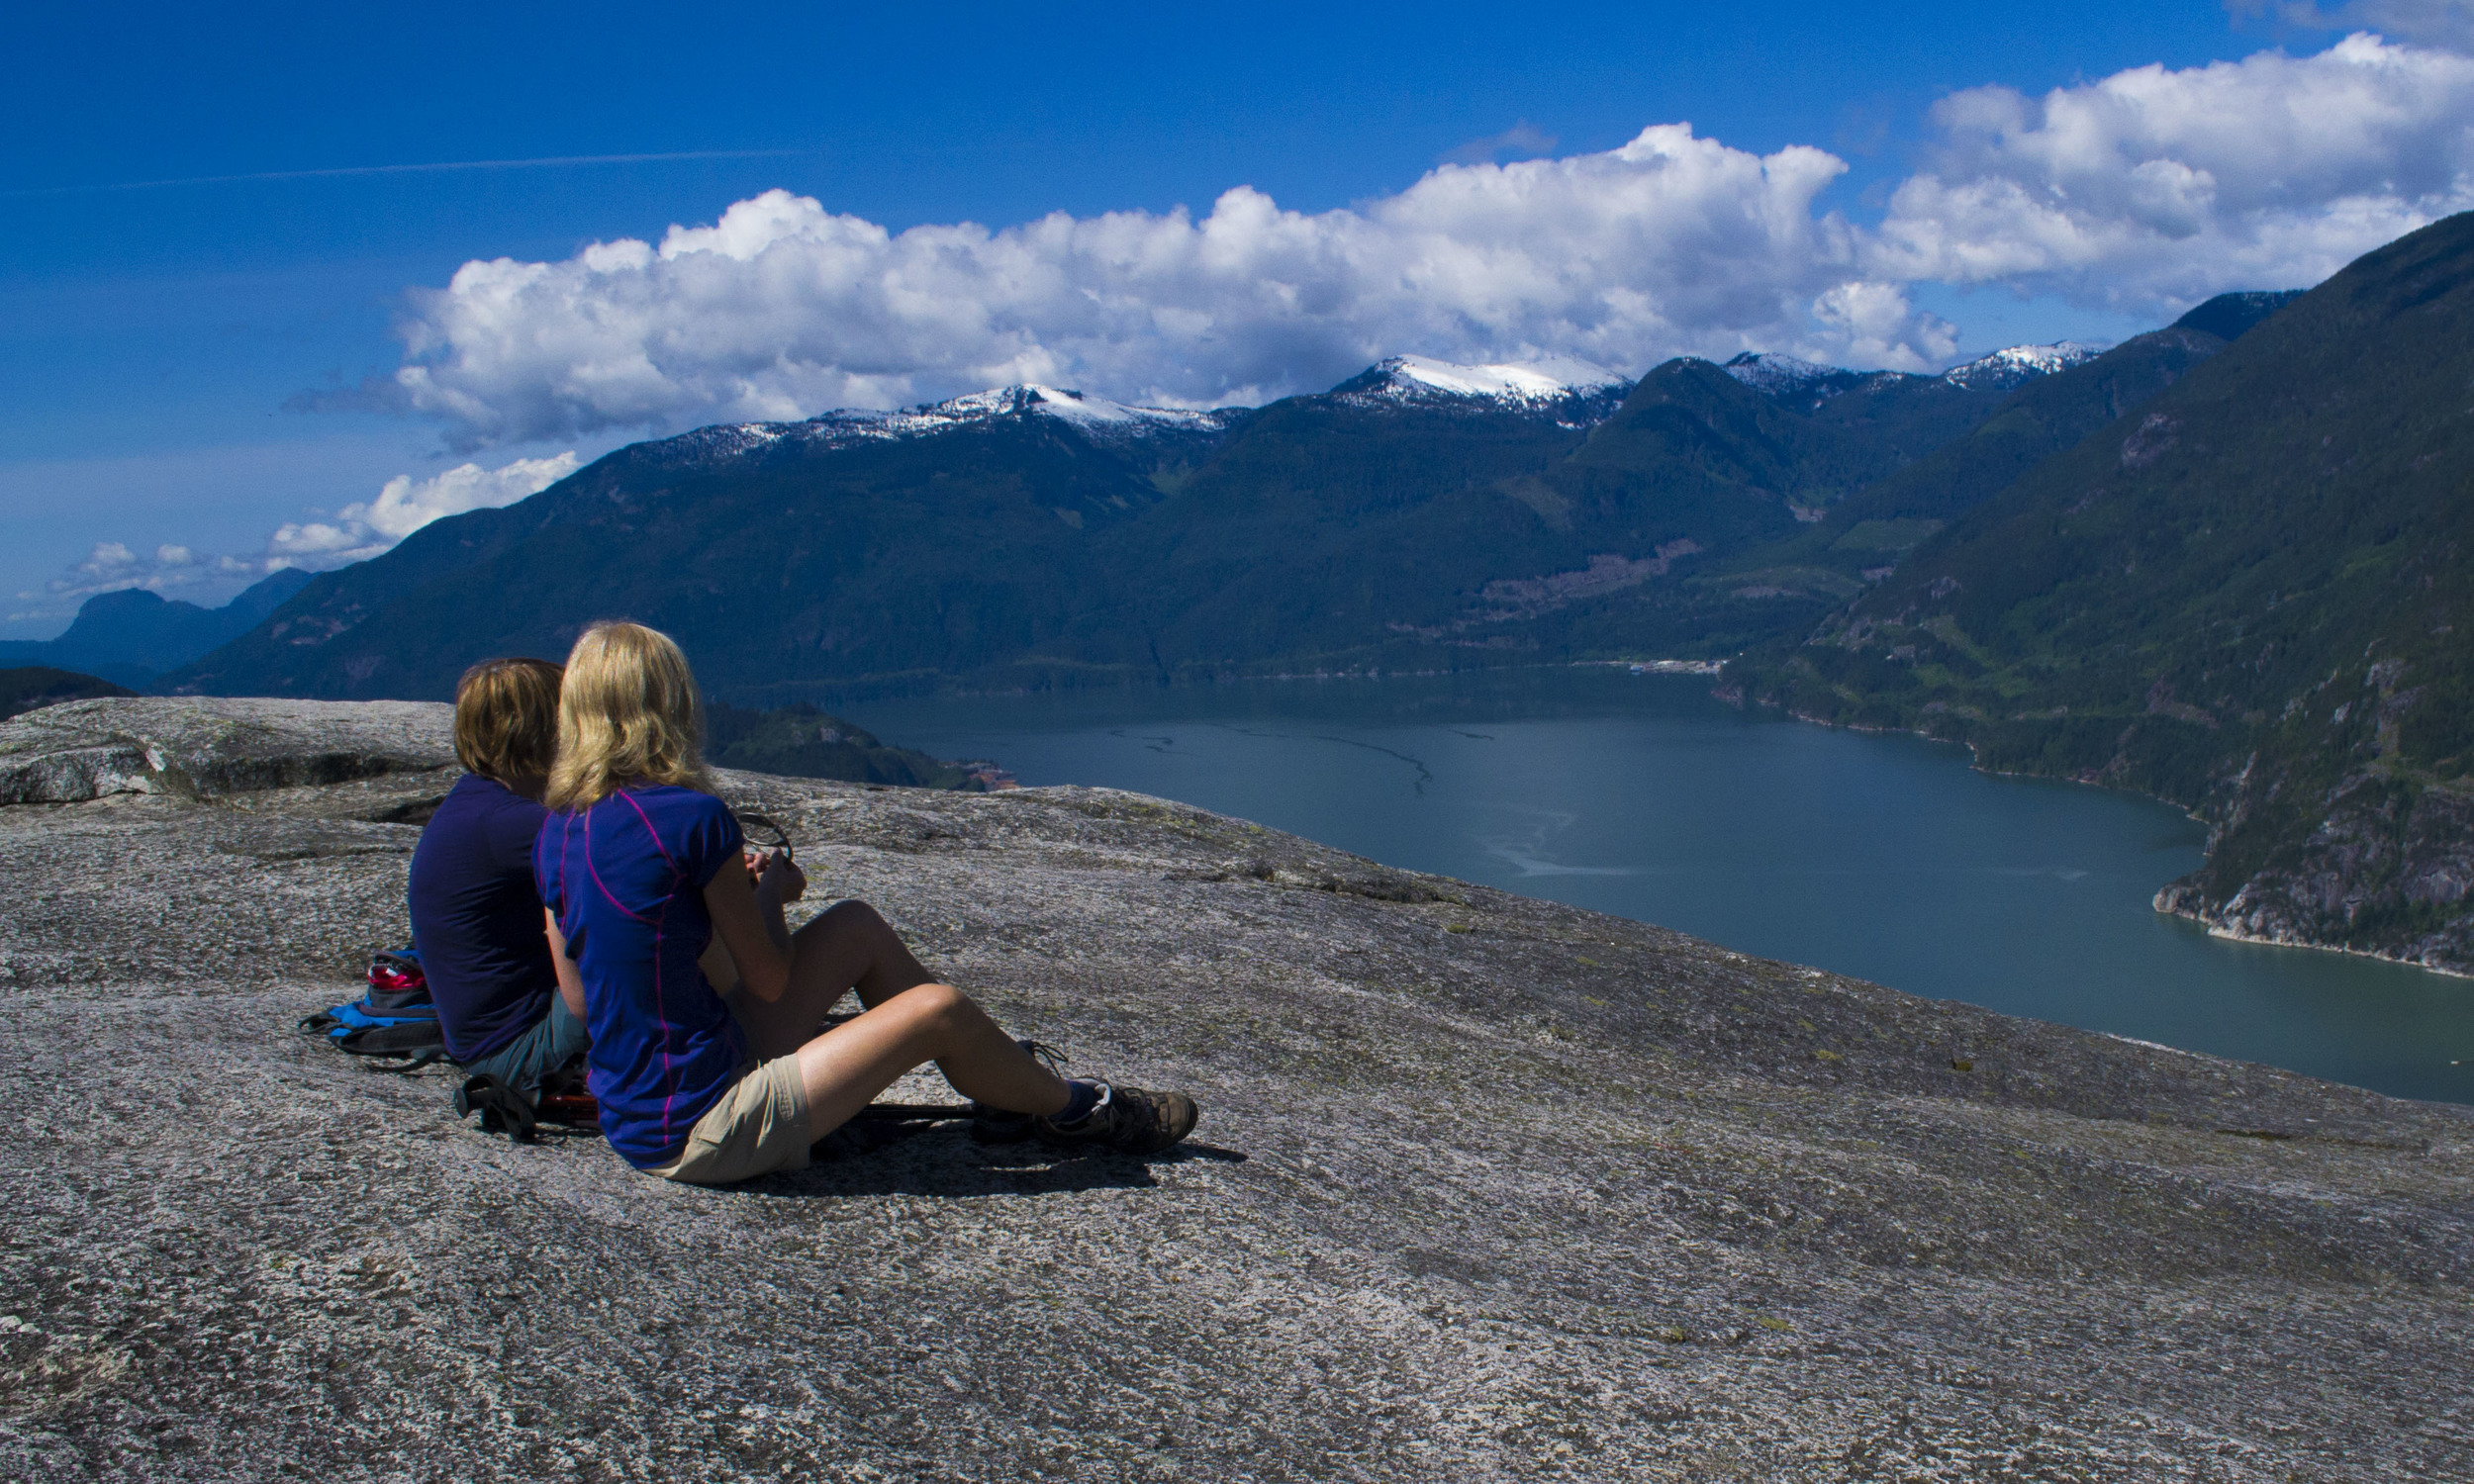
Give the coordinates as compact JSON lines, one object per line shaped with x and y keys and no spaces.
{"x":627,"y":714}
{"x":507,"y":718}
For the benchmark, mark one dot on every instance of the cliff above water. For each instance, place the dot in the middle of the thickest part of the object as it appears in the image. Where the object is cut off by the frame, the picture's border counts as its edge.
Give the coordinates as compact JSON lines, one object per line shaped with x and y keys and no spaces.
{"x":1487,"y":1187}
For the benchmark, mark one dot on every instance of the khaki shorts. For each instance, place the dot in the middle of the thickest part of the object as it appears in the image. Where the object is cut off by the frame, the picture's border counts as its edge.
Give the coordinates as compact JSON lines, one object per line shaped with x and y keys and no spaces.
{"x":759,"y":1126}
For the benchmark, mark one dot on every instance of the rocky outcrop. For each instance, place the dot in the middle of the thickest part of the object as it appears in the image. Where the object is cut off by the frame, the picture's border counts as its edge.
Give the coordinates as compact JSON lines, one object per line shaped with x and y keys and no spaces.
{"x":1486,"y":1188}
{"x":200,"y":747}
{"x":2384,"y":871}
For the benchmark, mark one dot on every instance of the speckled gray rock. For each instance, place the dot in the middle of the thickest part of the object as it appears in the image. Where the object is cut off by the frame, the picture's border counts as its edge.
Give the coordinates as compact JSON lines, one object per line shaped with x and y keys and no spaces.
{"x":209,"y":748}
{"x":1486,"y":1188}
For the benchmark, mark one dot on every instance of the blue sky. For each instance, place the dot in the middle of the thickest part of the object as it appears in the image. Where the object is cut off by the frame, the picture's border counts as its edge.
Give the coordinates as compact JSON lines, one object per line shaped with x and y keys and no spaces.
{"x":194,"y":364}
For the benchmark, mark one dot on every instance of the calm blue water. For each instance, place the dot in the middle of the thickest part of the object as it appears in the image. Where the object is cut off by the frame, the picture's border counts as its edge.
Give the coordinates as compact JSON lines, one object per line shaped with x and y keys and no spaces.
{"x":1885,"y":858}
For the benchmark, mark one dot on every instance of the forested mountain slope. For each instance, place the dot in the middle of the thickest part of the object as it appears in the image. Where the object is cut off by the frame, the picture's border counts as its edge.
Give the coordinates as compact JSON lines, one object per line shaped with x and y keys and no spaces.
{"x":29,"y":687}
{"x":2246,"y":596}
{"x":1329,"y":534}
{"x":1862,"y":538}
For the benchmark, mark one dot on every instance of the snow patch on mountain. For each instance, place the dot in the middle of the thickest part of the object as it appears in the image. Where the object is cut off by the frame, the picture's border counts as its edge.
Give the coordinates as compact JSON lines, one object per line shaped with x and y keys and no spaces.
{"x":2017,"y":365}
{"x":1783,"y":376}
{"x":1095,"y":417}
{"x":1778,"y":375}
{"x":1528,"y":385}
{"x":1083,"y":410}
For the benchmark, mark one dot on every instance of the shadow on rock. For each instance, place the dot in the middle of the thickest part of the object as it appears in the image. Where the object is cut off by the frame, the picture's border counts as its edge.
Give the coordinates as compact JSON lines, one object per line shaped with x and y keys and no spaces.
{"x":925,"y":1159}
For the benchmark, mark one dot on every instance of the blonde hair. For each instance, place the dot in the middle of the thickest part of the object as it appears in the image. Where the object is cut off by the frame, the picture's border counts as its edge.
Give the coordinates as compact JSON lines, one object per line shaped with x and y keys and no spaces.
{"x":627,"y":714}
{"x":507,"y":718}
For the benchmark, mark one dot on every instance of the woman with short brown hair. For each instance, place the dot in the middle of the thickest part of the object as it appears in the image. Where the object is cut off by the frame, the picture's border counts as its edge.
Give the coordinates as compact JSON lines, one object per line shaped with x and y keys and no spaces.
{"x":476,"y":917}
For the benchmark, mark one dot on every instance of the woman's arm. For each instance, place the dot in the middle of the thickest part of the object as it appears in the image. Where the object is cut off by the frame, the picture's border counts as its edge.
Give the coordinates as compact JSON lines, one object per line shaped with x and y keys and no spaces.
{"x":570,"y":977}
{"x":749,"y":921}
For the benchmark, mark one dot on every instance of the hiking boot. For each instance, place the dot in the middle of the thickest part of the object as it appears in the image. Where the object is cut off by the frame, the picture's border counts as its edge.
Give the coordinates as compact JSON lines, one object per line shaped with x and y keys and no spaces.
{"x":1128,"y":1119}
{"x":996,"y":1124}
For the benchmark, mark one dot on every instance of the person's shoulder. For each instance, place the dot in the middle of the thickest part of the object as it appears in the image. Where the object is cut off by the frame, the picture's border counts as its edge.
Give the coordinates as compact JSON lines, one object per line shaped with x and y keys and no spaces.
{"x":472,"y":791}
{"x":694,"y":825}
{"x":681,"y":801}
{"x":486,"y":795}
{"x":471,"y":799}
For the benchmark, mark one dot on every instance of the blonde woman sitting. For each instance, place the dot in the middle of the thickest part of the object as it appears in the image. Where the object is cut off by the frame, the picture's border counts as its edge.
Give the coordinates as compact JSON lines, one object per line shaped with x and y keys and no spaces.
{"x":639,"y":867}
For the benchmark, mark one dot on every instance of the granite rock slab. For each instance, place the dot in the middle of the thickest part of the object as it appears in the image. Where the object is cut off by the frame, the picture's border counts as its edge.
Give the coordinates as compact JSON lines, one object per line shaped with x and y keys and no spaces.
{"x":198,"y":748}
{"x":1486,"y":1188}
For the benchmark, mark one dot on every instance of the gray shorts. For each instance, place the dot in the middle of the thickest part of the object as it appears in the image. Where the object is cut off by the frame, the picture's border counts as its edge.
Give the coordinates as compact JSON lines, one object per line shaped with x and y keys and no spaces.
{"x":552,"y":1042}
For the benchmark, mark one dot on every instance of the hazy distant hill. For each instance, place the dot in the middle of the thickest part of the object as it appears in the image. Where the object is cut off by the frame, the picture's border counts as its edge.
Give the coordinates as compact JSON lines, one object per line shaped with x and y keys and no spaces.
{"x":27,"y":687}
{"x":2245,"y":595}
{"x":133,"y":635}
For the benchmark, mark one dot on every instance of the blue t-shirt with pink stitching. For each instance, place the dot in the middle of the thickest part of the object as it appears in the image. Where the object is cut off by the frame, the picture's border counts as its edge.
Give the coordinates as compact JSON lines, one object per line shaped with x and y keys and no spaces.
{"x":627,"y":877}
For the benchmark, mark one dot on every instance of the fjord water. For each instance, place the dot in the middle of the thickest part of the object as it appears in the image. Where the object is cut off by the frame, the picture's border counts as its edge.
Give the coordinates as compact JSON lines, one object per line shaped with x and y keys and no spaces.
{"x":1886,"y":857}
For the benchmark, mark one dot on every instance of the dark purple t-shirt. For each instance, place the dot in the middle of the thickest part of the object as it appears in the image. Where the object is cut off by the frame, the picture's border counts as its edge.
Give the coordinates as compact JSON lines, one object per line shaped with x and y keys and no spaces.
{"x":627,"y":877}
{"x":477,"y":920}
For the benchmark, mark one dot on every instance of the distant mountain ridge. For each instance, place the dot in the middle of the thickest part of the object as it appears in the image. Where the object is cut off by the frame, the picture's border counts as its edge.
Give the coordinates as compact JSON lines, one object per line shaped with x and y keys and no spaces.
{"x":132,"y":635}
{"x":1095,"y":417}
{"x":1031,"y":534}
{"x":2001,"y":370}
{"x":1577,"y":390}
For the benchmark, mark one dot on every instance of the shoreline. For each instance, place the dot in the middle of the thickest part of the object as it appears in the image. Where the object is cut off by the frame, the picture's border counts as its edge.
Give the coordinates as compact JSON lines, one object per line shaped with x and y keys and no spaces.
{"x":2215,"y":929}
{"x":2236,"y":935}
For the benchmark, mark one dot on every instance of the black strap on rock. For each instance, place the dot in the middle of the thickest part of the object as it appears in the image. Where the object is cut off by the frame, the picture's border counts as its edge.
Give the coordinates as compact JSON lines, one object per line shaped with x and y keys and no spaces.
{"x":752,"y":824}
{"x":434,"y":1053}
{"x":502,"y":1109}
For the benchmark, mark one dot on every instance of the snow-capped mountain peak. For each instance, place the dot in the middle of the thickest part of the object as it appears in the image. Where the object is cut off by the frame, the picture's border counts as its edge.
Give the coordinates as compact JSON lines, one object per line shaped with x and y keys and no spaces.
{"x":1540,"y":385}
{"x":2012,"y":365}
{"x":1777,"y":375}
{"x":1095,"y":417}
{"x":1526,"y":381}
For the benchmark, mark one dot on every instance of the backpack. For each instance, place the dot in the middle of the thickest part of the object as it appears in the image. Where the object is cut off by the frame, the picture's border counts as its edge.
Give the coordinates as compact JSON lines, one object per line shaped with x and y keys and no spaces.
{"x":394,"y":1021}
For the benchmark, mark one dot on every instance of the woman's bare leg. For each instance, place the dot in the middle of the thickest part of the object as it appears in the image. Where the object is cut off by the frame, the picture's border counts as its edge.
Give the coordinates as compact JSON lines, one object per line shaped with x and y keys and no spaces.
{"x":844,"y":1068}
{"x":849,"y":946}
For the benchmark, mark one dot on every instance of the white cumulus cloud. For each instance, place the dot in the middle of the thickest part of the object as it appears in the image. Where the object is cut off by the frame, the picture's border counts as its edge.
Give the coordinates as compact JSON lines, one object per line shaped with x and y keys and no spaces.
{"x":2142,"y":191}
{"x":2155,"y":187}
{"x":359,"y":531}
{"x":782,"y":308}
{"x":406,"y":505}
{"x":112,"y":565}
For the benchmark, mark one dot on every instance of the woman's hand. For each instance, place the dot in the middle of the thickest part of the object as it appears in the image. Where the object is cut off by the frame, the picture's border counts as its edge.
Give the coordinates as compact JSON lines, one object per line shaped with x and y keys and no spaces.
{"x":782,"y":878}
